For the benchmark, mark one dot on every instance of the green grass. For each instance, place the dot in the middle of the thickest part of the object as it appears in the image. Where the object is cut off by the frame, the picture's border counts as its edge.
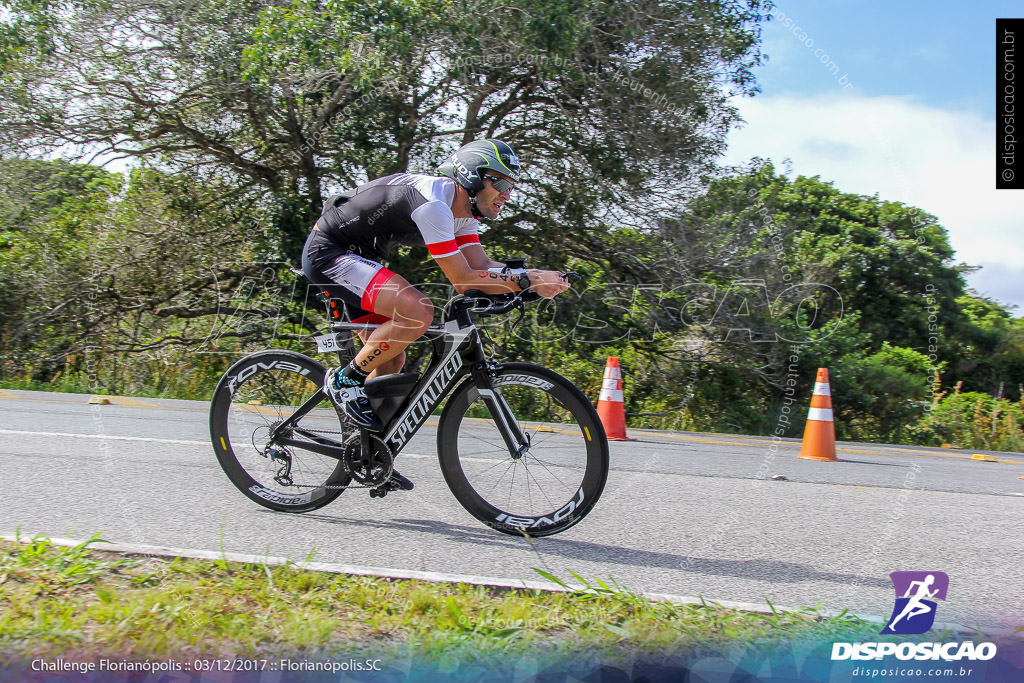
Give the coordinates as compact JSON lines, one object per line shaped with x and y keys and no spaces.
{"x":88,"y":602}
{"x":183,"y":377}
{"x":79,"y":384}
{"x":68,"y":384}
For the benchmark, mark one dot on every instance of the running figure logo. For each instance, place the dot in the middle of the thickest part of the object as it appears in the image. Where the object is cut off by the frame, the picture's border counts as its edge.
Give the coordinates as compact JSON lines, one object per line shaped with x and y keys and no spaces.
{"x":916,"y":593}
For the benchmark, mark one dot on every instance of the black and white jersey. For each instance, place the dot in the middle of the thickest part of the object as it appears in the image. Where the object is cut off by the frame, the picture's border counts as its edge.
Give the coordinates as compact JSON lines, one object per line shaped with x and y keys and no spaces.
{"x":403,"y":208}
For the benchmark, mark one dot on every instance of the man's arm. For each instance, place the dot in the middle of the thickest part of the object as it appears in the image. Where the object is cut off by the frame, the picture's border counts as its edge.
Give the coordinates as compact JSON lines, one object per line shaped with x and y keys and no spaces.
{"x":477,"y":258}
{"x":460,"y":273}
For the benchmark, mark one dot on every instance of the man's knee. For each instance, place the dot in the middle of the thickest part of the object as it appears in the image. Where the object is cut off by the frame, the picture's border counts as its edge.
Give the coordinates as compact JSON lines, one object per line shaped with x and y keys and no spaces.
{"x":416,"y":313}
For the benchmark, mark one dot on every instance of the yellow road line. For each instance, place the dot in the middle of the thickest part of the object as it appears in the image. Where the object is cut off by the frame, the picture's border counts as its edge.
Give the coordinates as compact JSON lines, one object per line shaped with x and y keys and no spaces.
{"x":909,"y":452}
{"x":746,"y":440}
{"x":1008,"y":462}
{"x":130,"y":402}
{"x":790,"y":444}
{"x":687,"y":437}
{"x":840,"y":449}
{"x":262,"y":410}
{"x":547,"y":428}
{"x":117,"y":400}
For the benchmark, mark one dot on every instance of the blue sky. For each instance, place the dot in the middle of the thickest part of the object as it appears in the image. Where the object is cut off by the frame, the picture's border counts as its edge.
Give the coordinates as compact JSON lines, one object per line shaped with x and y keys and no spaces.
{"x":909,"y":115}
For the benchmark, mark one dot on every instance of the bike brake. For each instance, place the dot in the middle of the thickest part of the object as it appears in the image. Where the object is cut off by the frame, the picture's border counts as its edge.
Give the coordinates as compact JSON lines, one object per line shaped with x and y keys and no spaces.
{"x":522,"y":314}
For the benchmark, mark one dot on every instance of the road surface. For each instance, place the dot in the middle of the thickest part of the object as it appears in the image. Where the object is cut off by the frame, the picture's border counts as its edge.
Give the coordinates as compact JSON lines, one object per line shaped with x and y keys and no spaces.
{"x":683,"y":514}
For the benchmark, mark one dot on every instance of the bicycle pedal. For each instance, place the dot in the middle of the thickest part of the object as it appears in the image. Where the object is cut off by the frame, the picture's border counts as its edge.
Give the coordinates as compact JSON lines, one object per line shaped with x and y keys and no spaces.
{"x":399,"y":483}
{"x":379,"y":492}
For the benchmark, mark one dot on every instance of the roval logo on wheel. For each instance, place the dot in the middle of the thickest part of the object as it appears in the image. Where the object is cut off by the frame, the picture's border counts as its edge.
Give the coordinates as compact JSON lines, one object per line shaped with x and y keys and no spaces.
{"x":532,"y":522}
{"x":527,"y":380}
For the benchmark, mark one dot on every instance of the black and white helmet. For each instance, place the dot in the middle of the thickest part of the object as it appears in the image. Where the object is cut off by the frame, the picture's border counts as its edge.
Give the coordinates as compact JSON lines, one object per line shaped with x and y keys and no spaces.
{"x":467,"y":165}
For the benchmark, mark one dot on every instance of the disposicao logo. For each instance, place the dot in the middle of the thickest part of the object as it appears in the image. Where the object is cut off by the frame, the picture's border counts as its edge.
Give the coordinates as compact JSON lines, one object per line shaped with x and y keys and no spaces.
{"x":914,"y":613}
{"x":916,"y":593}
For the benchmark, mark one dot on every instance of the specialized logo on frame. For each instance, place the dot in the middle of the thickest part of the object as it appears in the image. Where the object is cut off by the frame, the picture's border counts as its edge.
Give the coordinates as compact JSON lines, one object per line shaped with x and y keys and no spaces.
{"x":916,"y":596}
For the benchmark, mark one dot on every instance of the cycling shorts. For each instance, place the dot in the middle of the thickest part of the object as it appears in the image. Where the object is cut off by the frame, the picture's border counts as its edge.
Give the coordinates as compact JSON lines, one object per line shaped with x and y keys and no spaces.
{"x":343,"y":275}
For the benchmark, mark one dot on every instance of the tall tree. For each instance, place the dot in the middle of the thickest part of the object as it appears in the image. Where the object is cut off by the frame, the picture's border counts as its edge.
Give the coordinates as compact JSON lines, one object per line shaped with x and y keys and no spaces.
{"x":890,"y":262}
{"x":94,"y":266}
{"x":616,"y":107}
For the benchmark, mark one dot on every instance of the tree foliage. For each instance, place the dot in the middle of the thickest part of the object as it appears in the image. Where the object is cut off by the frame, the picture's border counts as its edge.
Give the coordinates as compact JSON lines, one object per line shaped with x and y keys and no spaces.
{"x":615,"y":106}
{"x":101,"y":266}
{"x":721,"y":292}
{"x":888,"y":261}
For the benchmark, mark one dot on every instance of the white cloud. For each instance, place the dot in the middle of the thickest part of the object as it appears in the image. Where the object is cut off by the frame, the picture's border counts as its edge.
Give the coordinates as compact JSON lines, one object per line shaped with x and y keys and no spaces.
{"x":941,"y":161}
{"x":1002,"y":283}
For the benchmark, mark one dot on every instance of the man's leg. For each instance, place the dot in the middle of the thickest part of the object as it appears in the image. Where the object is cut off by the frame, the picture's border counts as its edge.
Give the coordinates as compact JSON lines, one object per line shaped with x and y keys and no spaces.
{"x":408,"y":315}
{"x":383,"y":350}
{"x":388,"y":367}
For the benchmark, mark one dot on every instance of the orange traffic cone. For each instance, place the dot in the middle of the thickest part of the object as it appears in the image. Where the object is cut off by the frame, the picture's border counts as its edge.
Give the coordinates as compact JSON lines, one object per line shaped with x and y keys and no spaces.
{"x":819,"y":432}
{"x":610,"y":407}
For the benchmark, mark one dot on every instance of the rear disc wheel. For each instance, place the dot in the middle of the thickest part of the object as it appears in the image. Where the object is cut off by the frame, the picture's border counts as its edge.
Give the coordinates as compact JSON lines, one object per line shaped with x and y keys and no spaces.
{"x":254,"y":396}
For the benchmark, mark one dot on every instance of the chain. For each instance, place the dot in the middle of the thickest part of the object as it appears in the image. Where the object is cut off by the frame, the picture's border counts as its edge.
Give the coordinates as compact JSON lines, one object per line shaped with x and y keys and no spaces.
{"x":334,"y":488}
{"x":330,"y":487}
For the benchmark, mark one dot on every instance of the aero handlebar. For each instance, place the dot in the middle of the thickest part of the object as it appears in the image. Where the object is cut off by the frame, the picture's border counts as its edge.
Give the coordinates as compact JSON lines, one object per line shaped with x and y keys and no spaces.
{"x":484,"y":304}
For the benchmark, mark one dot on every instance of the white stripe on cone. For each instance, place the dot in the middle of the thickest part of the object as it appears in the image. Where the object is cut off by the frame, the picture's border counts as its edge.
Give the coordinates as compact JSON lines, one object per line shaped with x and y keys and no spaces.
{"x":611,"y":390}
{"x":611,"y":386}
{"x":822,"y":389}
{"x":820,"y":414}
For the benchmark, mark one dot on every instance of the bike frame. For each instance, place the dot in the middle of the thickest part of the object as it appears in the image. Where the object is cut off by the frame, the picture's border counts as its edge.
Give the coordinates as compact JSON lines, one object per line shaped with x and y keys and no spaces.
{"x":457,"y":352}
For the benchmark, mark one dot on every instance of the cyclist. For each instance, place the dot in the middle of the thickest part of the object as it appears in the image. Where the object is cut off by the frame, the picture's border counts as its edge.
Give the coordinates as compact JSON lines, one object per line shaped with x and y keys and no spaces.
{"x":358,"y":229}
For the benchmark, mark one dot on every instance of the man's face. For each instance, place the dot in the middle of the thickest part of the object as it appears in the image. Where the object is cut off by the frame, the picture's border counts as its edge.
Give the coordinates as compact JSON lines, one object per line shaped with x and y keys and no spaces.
{"x":488,"y":200}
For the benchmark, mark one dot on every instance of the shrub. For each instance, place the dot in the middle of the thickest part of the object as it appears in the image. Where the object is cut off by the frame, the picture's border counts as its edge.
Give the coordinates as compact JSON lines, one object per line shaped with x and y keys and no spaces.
{"x":976,"y":420}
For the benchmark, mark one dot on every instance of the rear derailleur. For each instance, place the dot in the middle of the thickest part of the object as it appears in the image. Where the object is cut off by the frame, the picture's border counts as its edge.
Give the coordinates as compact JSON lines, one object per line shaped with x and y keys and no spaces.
{"x":280,"y":455}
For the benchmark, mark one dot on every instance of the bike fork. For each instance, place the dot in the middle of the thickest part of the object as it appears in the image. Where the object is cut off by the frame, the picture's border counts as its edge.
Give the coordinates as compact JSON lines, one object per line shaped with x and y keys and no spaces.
{"x":508,"y":426}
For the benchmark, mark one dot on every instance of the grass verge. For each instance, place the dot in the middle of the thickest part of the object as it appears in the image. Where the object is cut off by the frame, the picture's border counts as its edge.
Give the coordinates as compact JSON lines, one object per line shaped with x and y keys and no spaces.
{"x":82,"y":602}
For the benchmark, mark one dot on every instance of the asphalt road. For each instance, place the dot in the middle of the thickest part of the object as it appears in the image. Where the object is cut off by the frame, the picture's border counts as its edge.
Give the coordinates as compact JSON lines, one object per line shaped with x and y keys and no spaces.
{"x":683,"y":514}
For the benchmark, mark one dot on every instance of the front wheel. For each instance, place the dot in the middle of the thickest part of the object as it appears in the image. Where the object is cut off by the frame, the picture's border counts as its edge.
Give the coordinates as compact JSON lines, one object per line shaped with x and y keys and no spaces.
{"x":549,"y":487}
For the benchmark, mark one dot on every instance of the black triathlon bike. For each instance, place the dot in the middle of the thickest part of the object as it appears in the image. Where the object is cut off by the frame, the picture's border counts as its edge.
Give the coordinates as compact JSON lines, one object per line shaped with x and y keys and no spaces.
{"x":520,"y":447}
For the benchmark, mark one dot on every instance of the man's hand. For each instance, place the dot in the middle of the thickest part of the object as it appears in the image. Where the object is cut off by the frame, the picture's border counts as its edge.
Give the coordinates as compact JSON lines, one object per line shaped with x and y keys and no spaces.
{"x":547,"y":283}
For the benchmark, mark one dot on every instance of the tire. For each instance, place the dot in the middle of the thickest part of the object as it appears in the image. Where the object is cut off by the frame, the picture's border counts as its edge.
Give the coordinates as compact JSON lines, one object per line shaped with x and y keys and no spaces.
{"x":551,"y":487}
{"x":256,"y":392}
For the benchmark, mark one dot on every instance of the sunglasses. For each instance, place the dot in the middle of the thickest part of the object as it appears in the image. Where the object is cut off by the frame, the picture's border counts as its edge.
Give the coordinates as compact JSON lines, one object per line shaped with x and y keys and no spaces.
{"x":502,"y":185}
